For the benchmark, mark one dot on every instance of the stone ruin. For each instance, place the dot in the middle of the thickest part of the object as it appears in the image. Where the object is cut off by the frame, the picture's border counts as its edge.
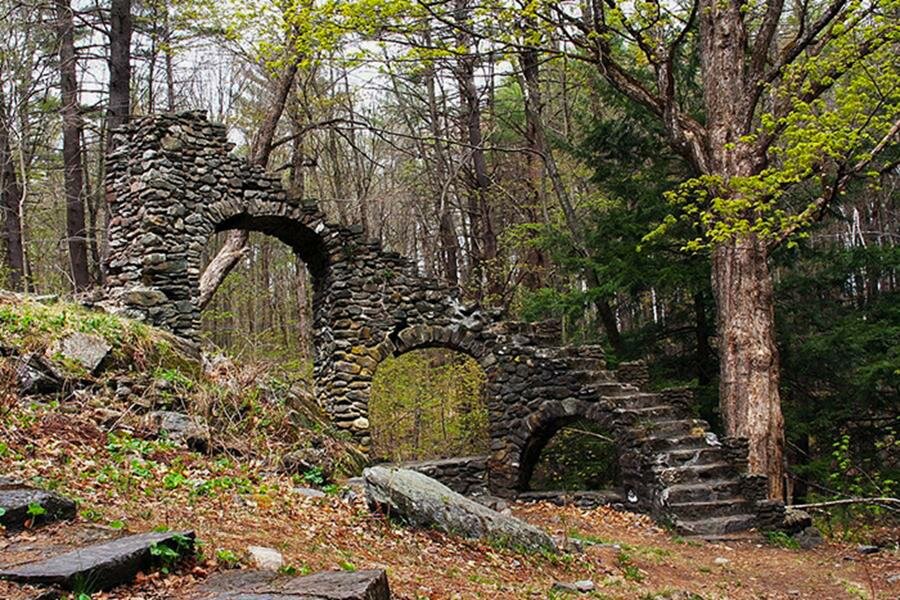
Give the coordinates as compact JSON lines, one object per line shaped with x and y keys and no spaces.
{"x":174,"y":183}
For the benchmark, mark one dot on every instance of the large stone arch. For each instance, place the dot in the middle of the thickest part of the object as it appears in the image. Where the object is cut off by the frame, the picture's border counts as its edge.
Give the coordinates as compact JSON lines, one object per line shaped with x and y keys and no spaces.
{"x":173,"y":183}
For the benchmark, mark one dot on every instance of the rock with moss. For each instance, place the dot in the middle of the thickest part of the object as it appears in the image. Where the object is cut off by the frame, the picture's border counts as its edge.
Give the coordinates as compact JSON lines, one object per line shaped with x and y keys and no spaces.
{"x":423,"y":502}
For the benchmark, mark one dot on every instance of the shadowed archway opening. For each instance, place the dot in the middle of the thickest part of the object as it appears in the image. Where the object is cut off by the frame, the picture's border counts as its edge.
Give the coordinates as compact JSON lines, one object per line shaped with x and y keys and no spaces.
{"x":572,"y":454}
{"x":264,"y":309}
{"x":426,"y":404}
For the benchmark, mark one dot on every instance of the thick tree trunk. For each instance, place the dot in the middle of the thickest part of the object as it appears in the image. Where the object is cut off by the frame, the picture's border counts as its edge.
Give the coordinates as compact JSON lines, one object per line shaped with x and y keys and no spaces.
{"x":11,"y":191}
{"x":119,"y":108}
{"x":749,"y":376}
{"x":71,"y":115}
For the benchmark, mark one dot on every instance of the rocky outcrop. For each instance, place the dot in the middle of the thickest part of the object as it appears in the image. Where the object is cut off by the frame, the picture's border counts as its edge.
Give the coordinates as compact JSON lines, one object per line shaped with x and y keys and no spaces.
{"x":423,"y":502}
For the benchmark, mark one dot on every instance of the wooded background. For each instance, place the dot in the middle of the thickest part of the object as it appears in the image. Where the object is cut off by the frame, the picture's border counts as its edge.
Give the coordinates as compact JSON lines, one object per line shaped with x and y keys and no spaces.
{"x":711,"y":187}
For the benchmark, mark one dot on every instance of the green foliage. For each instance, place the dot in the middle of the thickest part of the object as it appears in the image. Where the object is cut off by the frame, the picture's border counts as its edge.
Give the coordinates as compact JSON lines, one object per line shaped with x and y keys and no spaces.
{"x":169,"y":553}
{"x":629,"y":570}
{"x":581,"y":456}
{"x":781,"y":540}
{"x":427,"y":404}
{"x":227,"y":558}
{"x":840,"y":345}
{"x":36,"y":510}
{"x":314,"y":476}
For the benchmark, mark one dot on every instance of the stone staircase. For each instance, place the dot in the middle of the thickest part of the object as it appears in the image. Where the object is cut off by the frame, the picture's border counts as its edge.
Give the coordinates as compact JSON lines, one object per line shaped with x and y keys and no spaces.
{"x":700,"y":485}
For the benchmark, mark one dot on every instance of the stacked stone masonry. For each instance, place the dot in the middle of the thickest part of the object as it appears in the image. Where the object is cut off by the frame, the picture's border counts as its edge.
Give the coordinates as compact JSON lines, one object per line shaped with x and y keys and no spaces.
{"x":173,"y":184}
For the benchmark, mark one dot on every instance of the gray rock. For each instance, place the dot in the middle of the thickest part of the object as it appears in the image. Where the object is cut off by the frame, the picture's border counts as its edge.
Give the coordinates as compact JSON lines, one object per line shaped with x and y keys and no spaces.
{"x":16,"y":501}
{"x":424,"y":502}
{"x":267,"y":559}
{"x":309,"y":492}
{"x":795,"y":520}
{"x":190,"y":430}
{"x":809,"y":538}
{"x":99,"y":566}
{"x":85,"y":349}
{"x":35,"y":375}
{"x":581,"y":587}
{"x":327,"y":585}
{"x":864,"y":549}
{"x":892,"y":579}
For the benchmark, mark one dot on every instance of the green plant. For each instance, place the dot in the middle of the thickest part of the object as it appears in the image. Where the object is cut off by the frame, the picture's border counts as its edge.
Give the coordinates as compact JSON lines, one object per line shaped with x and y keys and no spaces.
{"x":781,"y":540}
{"x":170,"y":552}
{"x":227,"y":557}
{"x":314,"y":476}
{"x":629,"y":570}
{"x":36,"y":510}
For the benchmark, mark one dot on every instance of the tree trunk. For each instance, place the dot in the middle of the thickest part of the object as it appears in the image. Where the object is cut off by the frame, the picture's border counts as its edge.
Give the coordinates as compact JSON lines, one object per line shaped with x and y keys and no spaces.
{"x":236,"y":241}
{"x":11,"y":190}
{"x":119,"y":108}
{"x":748,"y":380}
{"x":749,"y":399}
{"x":71,"y":115}
{"x":484,"y":237}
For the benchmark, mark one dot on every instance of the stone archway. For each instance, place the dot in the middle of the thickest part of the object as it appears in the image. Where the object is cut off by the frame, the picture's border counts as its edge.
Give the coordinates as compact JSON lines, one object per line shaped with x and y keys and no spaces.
{"x":173,"y":182}
{"x":541,"y":426}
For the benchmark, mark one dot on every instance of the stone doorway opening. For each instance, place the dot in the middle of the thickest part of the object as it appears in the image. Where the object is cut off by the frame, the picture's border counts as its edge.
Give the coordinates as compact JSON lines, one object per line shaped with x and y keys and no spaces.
{"x":263,"y":309}
{"x":428,"y":404}
{"x":573,"y":458}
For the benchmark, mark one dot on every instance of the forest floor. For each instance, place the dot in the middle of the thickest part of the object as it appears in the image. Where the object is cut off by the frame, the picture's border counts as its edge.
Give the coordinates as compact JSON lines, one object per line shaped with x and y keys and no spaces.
{"x":138,"y":486}
{"x":90,"y":442}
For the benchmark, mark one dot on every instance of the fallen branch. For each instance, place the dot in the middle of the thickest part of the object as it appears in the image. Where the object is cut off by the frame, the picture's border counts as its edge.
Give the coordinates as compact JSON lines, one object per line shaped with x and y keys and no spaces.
{"x":846,"y":501}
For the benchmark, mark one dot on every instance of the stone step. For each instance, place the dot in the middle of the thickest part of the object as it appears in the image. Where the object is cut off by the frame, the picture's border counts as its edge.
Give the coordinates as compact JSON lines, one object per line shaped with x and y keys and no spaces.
{"x":100,"y":566}
{"x":705,"y":510}
{"x":23,"y":506}
{"x":645,"y":400}
{"x":697,"y":473}
{"x":583,"y":351}
{"x":609,"y":389}
{"x":710,"y":491}
{"x":692,"y":456}
{"x":674,"y":443}
{"x":650,"y":413}
{"x":588,"y":363}
{"x":673,"y":428}
{"x":266,"y":585}
{"x":716,"y":525}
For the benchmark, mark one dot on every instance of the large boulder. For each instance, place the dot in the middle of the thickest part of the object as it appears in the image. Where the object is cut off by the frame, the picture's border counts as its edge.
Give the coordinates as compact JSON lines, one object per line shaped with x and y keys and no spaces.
{"x":423,"y":502}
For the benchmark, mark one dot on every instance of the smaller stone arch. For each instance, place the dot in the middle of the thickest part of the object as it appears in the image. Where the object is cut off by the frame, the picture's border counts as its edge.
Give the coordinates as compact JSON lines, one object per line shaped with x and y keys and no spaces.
{"x":452,"y":337}
{"x":536,"y":429}
{"x":460,"y":341}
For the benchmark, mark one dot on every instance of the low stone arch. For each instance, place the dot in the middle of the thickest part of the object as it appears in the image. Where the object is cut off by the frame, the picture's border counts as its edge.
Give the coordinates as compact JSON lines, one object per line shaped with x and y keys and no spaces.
{"x":537,"y":428}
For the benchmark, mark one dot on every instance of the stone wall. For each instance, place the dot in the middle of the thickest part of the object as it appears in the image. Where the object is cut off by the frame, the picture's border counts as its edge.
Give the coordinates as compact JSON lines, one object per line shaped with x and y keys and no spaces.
{"x":173,"y":184}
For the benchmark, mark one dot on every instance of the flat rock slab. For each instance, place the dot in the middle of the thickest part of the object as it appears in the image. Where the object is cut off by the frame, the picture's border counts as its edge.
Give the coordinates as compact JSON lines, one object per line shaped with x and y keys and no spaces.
{"x":327,"y":585}
{"x":17,"y":500}
{"x":99,"y":566}
{"x":85,"y":349}
{"x":423,"y":502}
